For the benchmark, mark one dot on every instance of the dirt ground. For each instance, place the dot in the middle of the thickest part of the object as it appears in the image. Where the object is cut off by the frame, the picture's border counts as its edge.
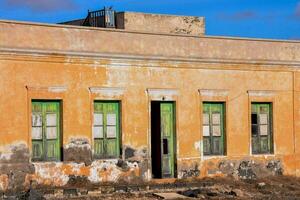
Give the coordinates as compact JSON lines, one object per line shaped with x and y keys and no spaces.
{"x":279,"y":187}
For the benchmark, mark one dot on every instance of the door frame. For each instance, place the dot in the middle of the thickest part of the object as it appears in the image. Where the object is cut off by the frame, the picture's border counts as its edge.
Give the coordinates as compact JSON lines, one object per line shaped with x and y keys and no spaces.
{"x":162,"y":94}
{"x":175,"y":142}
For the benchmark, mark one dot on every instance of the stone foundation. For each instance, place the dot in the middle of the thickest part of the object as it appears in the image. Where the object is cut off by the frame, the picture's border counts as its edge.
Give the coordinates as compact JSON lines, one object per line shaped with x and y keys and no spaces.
{"x":17,"y":173}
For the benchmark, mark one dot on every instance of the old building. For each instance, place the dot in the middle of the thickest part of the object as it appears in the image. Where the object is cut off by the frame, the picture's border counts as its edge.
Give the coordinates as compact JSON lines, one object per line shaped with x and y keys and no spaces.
{"x":150,"y":97}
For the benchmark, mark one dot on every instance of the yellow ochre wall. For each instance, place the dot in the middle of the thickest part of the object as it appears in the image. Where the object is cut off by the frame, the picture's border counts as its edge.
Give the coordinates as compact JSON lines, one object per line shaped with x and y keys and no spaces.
{"x":59,"y":62}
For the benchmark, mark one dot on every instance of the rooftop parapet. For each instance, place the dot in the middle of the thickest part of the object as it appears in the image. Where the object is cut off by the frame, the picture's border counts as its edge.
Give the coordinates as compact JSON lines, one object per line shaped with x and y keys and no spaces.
{"x":144,"y":22}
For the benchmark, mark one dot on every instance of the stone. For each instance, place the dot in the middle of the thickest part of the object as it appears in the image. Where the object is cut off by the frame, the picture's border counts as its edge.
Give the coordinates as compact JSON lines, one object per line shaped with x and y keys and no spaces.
{"x":94,"y":193}
{"x":170,"y":195}
{"x":261,"y":185}
{"x":238,"y":192}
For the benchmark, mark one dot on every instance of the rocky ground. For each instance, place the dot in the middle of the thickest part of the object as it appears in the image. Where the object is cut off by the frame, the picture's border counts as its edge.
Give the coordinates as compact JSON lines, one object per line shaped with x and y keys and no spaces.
{"x":279,"y":187}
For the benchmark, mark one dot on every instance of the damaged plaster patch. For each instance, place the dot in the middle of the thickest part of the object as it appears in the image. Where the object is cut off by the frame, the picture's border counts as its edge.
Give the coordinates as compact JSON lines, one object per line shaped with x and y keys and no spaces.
{"x":3,"y":182}
{"x":190,"y":25}
{"x":15,"y":166}
{"x":249,"y":169}
{"x":110,"y":170}
{"x":135,"y":154}
{"x":78,"y":150}
{"x":189,"y":171}
{"x":198,"y":145}
{"x":15,"y":153}
{"x":98,"y":167}
{"x":51,"y":173}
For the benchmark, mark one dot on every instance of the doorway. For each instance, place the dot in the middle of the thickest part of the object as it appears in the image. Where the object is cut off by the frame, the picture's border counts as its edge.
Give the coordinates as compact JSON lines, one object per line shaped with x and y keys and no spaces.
{"x":163,"y":139}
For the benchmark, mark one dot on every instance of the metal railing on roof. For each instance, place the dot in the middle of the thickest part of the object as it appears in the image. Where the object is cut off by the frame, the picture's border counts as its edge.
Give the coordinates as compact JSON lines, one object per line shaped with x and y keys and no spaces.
{"x":101,"y":18}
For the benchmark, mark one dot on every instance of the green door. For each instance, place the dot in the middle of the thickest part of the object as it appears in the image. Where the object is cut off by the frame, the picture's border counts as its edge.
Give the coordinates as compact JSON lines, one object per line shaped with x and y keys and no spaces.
{"x":106,"y":129}
{"x":46,"y":130}
{"x":167,"y":138}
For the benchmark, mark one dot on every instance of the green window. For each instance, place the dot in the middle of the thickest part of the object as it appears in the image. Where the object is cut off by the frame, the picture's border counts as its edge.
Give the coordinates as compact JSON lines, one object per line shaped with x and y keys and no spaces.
{"x":45,"y":130}
{"x":213,"y":128}
{"x":261,"y":128}
{"x":106,"y":129}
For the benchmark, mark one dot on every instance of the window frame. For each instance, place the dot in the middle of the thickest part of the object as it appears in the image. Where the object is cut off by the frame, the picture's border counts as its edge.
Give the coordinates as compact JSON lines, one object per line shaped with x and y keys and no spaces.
{"x":104,"y":139}
{"x":43,"y":140}
{"x":212,"y":152}
{"x":270,"y":134}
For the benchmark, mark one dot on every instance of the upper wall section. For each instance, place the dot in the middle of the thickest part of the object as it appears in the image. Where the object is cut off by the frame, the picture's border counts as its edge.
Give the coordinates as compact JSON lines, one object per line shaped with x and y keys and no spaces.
{"x":156,"y":23}
{"x":63,"y":39}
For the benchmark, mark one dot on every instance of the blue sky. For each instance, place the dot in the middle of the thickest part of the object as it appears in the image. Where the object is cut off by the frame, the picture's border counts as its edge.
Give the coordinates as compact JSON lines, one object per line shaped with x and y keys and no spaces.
{"x":276,"y":19}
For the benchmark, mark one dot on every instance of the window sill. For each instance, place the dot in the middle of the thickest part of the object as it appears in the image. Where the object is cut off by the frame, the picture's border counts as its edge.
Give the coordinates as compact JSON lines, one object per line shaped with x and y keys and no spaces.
{"x":46,"y":162}
{"x":106,"y":159}
{"x":208,"y":157}
{"x":263,"y":155}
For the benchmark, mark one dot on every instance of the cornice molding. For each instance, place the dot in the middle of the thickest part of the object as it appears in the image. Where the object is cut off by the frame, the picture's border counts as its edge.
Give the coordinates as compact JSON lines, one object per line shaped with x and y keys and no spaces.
{"x":120,"y":59}
{"x":261,"y":93}
{"x":54,"y":89}
{"x":213,"y":92}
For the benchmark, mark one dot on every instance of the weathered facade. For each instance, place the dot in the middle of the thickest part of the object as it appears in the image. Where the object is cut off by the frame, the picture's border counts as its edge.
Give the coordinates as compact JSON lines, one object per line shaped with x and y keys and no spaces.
{"x":82,"y":105}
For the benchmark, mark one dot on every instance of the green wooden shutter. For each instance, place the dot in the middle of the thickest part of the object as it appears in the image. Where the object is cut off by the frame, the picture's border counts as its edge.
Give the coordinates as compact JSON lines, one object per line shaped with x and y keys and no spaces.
{"x":261,"y":128}
{"x":213,"y":128}
{"x":167,"y":138}
{"x":52,"y":130}
{"x":106,"y":129}
{"x":45,"y":131}
{"x":98,"y":129}
{"x":37,"y":131}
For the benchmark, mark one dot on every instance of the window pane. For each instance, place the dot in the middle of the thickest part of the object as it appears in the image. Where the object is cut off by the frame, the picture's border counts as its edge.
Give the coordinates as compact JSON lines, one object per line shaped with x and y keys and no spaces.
{"x":206,"y":131}
{"x":253,"y":118}
{"x":51,"y":119}
{"x":111,"y":132}
{"x":263,"y":108}
{"x":205,"y":118}
{"x":254,"y":130}
{"x":51,"y":132}
{"x":98,"y":119}
{"x":263,"y":118}
{"x":216,"y":130}
{"x":37,"y":149}
{"x":206,"y":146}
{"x":36,"y":133}
{"x":263,"y":129}
{"x":165,"y":146}
{"x":255,"y":145}
{"x":264,"y":145}
{"x":98,"y":147}
{"x":36,"y":119}
{"x":98,"y":131}
{"x":216,"y":118}
{"x":51,"y":149}
{"x":111,"y":119}
{"x":216,"y":145}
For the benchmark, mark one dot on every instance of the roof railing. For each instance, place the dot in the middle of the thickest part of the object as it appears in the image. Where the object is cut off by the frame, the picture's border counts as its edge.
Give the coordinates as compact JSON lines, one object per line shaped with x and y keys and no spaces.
{"x":101,"y":18}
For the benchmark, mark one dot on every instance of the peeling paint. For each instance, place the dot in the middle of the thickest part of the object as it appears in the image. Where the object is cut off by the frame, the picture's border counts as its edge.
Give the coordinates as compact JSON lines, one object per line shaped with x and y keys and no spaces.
{"x":78,"y":150}
{"x":198,"y":145}
{"x":50,"y":174}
